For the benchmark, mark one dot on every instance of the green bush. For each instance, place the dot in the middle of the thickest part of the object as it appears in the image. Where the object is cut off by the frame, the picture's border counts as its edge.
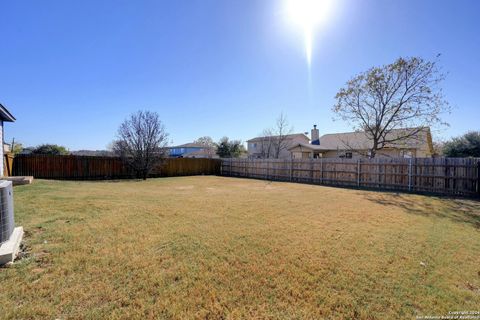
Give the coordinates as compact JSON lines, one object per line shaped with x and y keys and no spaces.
{"x":51,"y":149}
{"x":467,"y":145}
{"x":230,"y":148}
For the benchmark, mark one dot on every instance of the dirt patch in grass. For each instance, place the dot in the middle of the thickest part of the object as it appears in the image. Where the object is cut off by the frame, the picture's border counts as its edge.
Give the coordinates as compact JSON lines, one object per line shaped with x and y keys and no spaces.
{"x":213,"y":247}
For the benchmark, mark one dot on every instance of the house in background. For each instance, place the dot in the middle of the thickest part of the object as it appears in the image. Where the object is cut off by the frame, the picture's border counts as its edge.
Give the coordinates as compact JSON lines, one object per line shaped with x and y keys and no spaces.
{"x":263,"y":147}
{"x":5,"y":116}
{"x":209,"y":153}
{"x":192,"y":150}
{"x":353,"y":145}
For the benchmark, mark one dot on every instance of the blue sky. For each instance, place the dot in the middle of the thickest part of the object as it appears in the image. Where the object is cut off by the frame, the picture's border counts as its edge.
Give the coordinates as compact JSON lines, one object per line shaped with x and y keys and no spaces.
{"x":72,"y":71}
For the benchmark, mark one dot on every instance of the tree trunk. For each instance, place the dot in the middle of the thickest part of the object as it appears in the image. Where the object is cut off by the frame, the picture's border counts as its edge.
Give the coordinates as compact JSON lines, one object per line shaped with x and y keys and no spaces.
{"x":373,"y":151}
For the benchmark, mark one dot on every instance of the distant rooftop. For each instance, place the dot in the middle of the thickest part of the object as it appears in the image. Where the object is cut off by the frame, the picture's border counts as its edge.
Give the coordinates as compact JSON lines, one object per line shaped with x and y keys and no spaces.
{"x":190,"y":145}
{"x":361,"y":141}
{"x":95,"y":153}
{"x":288,"y":136}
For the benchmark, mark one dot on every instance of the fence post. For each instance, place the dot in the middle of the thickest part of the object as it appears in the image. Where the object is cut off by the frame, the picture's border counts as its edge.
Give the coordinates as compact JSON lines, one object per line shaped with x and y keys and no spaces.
{"x":410,"y":174}
{"x":268,"y":170}
{"x":311,"y":170}
{"x":265,"y":172}
{"x":478,"y":177}
{"x":358,"y":173}
{"x":321,"y":170}
{"x":291,"y":169}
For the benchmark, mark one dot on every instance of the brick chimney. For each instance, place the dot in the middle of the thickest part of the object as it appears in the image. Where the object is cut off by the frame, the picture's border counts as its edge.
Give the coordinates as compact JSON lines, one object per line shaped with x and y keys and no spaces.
{"x":315,"y":135}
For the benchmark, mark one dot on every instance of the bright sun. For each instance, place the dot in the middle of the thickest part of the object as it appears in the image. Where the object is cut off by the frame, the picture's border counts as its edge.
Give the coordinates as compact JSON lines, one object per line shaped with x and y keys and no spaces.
{"x":308,"y":15}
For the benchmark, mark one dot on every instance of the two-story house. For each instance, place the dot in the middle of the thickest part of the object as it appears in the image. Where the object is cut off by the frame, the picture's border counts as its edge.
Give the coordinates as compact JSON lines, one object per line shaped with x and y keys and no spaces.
{"x":266,"y":147}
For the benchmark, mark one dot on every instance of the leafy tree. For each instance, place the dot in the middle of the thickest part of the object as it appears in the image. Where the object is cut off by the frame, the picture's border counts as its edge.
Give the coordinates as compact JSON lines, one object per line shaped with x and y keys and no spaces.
{"x":467,"y":145}
{"x":16,"y":147}
{"x":141,"y":142}
{"x":404,"y":94}
{"x":51,"y":149}
{"x":230,"y":148}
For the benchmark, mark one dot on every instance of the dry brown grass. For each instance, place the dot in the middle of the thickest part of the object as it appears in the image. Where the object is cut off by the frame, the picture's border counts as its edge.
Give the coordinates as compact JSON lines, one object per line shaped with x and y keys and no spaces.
{"x":212,"y":247}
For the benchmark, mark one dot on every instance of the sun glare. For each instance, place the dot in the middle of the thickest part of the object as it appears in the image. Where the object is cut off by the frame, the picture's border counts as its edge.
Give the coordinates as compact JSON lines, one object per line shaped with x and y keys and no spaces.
{"x":308,"y":15}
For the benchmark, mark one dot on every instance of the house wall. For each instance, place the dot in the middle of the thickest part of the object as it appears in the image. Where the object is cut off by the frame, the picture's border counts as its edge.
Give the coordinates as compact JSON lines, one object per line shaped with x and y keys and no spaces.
{"x":385,"y":153}
{"x":203,"y":153}
{"x":176,"y":152}
{"x":424,"y":152}
{"x":254,"y":148}
{"x":299,"y":153}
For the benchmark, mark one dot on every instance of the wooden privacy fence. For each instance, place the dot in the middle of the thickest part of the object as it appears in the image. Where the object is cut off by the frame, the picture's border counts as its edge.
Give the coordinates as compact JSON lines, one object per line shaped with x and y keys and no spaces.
{"x":7,"y":164}
{"x":187,"y":167}
{"x":90,"y":167}
{"x":450,"y":176}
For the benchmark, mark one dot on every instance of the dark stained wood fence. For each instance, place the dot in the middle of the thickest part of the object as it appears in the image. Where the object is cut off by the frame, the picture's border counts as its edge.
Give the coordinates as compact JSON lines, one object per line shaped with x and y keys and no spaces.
{"x":95,"y":168}
{"x":187,"y":167}
{"x":448,"y":176}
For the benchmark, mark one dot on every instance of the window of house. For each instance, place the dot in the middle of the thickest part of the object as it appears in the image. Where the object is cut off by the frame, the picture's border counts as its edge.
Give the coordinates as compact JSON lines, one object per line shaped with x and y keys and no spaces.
{"x":348,"y":155}
{"x":407,"y":154}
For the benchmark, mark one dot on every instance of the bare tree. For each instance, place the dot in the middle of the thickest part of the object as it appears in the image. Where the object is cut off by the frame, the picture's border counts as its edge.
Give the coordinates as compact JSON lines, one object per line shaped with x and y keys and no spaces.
{"x":404,"y":94}
{"x":273,"y":141}
{"x":281,"y":131}
{"x":209,"y":145}
{"x":141,"y":142}
{"x":266,"y":144}
{"x":438,"y":145}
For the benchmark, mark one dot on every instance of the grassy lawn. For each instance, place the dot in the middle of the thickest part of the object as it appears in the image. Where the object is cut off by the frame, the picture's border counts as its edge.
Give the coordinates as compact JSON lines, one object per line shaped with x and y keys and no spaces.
{"x":213,"y":247}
